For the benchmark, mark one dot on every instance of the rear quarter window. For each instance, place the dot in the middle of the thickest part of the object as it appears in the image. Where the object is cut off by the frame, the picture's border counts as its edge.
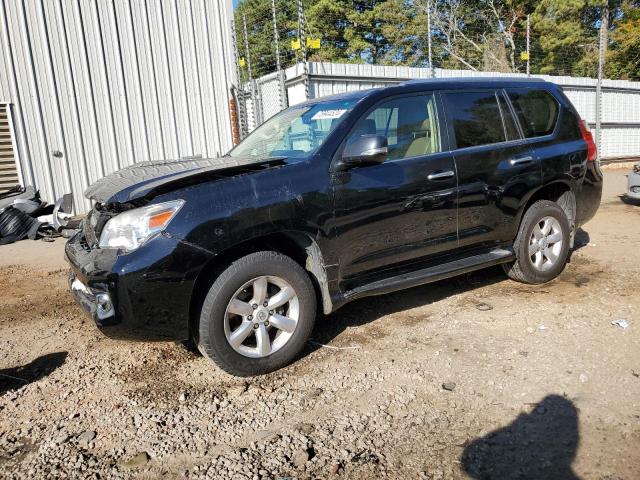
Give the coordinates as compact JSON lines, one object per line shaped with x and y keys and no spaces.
{"x":536,"y":109}
{"x":569,"y":126}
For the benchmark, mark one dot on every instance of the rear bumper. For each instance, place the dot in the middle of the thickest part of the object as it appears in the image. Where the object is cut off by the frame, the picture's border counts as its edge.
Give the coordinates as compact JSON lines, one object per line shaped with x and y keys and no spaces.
{"x":143,"y":295}
{"x":589,"y":194}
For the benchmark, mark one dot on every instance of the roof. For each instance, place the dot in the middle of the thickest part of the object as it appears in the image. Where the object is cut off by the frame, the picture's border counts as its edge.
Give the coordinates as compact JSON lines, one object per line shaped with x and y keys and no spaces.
{"x":457,"y":81}
{"x":433,"y":83}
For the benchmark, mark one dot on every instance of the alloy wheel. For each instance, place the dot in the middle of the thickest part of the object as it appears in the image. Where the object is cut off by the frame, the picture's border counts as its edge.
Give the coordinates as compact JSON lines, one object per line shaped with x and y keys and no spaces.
{"x":262,"y":316}
{"x":545,"y":244}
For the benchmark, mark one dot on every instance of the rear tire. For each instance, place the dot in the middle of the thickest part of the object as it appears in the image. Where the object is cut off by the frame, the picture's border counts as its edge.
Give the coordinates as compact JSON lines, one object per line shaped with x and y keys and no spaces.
{"x":542,"y":244}
{"x":257,"y":315}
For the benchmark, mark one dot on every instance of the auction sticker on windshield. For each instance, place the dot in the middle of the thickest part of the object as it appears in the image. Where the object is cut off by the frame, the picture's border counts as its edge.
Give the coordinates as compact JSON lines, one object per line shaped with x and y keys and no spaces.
{"x":328,"y":114}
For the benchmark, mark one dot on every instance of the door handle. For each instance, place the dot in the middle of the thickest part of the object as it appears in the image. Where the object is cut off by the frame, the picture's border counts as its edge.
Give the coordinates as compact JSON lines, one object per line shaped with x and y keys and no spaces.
{"x":440,"y":175}
{"x":521,"y":160}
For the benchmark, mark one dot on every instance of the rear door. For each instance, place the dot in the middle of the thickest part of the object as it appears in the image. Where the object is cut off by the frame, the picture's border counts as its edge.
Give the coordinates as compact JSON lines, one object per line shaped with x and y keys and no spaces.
{"x":496,"y":168}
{"x":402,"y":210}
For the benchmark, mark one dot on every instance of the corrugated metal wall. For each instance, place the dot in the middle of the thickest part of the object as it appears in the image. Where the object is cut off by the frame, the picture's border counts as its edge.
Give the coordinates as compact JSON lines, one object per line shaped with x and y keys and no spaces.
{"x":97,"y":85}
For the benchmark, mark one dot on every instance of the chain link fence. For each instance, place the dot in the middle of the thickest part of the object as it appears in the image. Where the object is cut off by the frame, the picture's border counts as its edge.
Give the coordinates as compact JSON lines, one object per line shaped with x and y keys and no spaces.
{"x":281,"y":44}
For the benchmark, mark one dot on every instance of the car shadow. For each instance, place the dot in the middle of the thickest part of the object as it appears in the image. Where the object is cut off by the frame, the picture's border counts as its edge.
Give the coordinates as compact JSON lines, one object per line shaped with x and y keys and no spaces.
{"x":16,"y":377}
{"x":582,"y":239}
{"x":366,"y":310}
{"x":538,"y":445}
{"x":628,"y":200}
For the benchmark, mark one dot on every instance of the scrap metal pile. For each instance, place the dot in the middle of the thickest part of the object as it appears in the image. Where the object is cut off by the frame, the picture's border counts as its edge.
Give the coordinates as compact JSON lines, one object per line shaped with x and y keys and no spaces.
{"x":24,"y":215}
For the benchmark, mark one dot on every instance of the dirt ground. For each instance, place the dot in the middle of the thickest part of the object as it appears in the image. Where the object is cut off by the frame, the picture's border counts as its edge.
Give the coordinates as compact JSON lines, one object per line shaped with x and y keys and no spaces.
{"x":473,"y":377}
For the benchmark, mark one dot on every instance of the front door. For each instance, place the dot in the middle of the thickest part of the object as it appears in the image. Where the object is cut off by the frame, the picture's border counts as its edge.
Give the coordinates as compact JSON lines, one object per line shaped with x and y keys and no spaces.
{"x":404,"y":209}
{"x":496,"y":167}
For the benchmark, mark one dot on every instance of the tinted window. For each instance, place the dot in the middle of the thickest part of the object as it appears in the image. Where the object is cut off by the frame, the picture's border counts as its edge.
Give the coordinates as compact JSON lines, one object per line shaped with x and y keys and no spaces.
{"x":409,"y":124}
{"x":509,"y":123}
{"x":476,"y":118}
{"x":569,"y":126}
{"x":537,"y":111}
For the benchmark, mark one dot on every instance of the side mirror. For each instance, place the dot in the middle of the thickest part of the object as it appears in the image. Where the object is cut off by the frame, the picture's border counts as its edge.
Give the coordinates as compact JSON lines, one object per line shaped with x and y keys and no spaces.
{"x":365,"y":150}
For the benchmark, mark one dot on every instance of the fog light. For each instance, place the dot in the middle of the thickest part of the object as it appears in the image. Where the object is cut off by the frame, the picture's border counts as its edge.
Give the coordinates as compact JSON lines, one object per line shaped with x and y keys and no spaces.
{"x":104,"y":307}
{"x":635,"y":189}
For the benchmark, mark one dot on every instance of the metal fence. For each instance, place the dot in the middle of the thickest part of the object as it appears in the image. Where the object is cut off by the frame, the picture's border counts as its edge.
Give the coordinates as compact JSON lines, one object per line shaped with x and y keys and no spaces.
{"x":619,"y":129}
{"x":315,"y":49}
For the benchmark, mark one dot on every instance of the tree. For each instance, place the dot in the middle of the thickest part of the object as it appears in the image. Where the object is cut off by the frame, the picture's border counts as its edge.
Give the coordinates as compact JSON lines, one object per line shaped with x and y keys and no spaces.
{"x":484,"y":35}
{"x":623,"y":59}
{"x":567,"y":35}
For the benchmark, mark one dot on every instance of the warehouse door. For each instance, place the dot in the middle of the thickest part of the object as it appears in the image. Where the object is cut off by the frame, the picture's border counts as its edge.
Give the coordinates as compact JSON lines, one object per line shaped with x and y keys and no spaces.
{"x":8,"y":169}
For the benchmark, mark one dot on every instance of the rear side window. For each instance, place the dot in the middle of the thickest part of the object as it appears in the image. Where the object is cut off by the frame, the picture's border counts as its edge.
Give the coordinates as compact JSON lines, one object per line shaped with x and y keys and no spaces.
{"x":537,"y":111}
{"x":569,"y":126}
{"x":476,"y":118}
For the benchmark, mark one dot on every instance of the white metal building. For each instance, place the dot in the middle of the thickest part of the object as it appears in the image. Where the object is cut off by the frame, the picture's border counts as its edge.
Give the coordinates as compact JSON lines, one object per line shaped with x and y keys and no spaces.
{"x":90,"y":86}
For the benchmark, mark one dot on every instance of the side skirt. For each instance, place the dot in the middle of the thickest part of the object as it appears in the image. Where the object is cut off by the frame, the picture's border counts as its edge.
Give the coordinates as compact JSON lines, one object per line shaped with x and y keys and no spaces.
{"x":427,"y":275}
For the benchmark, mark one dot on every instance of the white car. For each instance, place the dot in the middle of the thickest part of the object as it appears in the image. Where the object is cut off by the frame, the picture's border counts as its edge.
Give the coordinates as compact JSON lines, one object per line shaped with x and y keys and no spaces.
{"x":634,"y":183}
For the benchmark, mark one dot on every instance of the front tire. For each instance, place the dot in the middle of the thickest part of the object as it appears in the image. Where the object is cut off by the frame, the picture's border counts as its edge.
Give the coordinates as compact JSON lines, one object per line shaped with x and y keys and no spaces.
{"x":542,"y":244}
{"x":257,"y":315}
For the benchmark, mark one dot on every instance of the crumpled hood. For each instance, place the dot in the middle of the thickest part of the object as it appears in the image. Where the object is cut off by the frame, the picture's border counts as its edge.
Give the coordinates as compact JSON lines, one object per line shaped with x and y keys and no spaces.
{"x":147,"y":179}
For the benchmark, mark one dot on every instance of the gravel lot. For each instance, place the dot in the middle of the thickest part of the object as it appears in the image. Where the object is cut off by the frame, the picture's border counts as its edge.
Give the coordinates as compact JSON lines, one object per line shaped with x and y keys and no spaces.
{"x":474,"y":377}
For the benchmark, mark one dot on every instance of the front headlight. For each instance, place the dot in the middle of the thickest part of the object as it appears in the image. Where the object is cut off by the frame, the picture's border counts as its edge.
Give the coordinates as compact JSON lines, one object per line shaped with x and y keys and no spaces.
{"x":130,"y":229}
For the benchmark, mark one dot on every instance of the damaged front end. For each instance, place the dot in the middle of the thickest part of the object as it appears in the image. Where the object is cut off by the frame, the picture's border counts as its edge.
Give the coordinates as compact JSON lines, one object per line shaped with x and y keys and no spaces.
{"x":123,"y":283}
{"x":633,"y":190}
{"x":132,"y":268}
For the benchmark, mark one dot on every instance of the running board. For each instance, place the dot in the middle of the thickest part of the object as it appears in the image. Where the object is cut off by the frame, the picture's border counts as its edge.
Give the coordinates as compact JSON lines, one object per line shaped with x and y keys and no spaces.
{"x":431,"y":274}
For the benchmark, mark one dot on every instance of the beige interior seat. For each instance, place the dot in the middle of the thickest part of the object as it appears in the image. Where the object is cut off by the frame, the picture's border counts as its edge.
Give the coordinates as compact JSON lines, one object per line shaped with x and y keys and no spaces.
{"x":423,"y":144}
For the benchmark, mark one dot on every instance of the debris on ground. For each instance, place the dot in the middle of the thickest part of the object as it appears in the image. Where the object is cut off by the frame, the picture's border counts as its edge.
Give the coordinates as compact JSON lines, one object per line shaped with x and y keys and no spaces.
{"x":137,"y":461}
{"x":449,"y":386}
{"x":24,"y":215}
{"x":16,"y":225}
{"x":484,"y":307}
{"x":621,"y":322}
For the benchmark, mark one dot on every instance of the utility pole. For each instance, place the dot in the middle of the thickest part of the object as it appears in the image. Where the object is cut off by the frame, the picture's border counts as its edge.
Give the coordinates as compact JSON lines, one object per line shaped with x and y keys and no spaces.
{"x":254,"y":103}
{"x":242,"y":114}
{"x":276,"y":40}
{"x":432,"y":71}
{"x":604,"y":30}
{"x":528,"y":45}
{"x":303,"y":47}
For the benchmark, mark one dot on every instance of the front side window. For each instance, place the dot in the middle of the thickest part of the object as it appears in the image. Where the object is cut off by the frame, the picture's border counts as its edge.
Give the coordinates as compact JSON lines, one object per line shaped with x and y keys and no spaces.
{"x":296,"y":132}
{"x":409,"y":124}
{"x":476,"y":118}
{"x":537,"y":111}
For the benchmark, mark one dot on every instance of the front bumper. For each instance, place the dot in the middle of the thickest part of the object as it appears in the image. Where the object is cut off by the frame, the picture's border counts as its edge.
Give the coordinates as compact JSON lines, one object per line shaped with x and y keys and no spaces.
{"x":97,"y":303}
{"x":143,"y":295}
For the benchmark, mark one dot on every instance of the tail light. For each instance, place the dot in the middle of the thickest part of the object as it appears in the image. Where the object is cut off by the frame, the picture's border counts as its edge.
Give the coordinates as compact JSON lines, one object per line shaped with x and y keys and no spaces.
{"x":592,"y":151}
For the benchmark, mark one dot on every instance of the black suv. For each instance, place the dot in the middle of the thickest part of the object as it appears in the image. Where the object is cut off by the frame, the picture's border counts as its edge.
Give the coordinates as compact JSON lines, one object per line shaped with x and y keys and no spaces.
{"x":332,"y":200}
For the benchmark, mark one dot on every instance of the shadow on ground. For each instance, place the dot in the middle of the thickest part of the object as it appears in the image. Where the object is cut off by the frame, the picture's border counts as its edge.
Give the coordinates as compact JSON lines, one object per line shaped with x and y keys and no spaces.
{"x":535,"y":446}
{"x":628,"y":200}
{"x":369,"y":309}
{"x":16,"y":377}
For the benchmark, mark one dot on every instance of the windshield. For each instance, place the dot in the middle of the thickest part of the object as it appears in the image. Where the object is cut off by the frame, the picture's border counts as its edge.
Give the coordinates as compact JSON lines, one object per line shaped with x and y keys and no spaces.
{"x":296,"y":132}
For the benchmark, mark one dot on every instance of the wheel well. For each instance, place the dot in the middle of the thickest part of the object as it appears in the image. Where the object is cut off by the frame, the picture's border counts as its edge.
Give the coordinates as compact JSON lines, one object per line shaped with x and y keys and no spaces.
{"x":298,"y":246}
{"x":561,"y":194}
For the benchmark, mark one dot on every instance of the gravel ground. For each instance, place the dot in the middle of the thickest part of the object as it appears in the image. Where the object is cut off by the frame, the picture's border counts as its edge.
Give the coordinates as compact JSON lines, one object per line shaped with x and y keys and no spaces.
{"x":473,"y":377}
